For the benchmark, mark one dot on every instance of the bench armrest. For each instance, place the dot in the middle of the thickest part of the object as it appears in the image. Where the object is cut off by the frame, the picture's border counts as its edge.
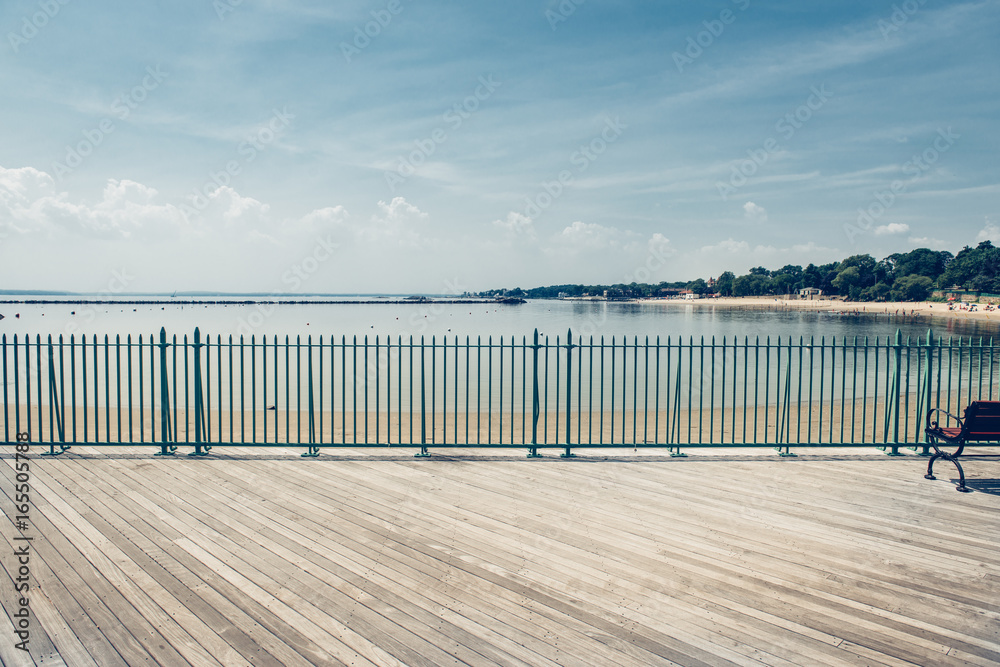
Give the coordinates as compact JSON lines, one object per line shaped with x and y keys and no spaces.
{"x":934,"y":424}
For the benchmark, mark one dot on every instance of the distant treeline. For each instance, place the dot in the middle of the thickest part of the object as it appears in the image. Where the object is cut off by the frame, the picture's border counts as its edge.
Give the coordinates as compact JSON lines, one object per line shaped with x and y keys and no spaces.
{"x":909,"y":276}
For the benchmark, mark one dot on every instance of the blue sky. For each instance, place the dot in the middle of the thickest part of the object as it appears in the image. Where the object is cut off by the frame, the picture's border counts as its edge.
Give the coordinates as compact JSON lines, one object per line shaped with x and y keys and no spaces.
{"x":273,"y":145}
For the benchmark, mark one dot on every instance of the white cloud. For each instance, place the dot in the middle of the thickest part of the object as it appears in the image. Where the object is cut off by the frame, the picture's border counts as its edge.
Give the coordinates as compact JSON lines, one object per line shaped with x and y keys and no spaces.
{"x":30,"y":203}
{"x":125,"y":190}
{"x":396,"y":224}
{"x":891,"y":228}
{"x":398,"y":210}
{"x":331,"y":217}
{"x":659,"y":245}
{"x":729,"y":247}
{"x":754,"y":212}
{"x":238,"y":212}
{"x":590,"y":236}
{"x":516,"y":223}
{"x":989,"y":232}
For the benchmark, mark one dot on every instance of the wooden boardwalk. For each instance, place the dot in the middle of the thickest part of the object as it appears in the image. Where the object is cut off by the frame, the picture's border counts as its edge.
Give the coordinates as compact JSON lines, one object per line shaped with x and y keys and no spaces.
{"x":264,"y":558}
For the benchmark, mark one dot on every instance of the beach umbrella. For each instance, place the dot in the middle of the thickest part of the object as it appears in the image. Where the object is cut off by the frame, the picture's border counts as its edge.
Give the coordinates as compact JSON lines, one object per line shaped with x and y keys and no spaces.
{"x":951,"y":298}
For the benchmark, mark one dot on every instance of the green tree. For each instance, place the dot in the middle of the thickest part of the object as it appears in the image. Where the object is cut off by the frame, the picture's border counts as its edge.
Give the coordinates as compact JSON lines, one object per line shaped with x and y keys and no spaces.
{"x":912,"y":288}
{"x":752,"y":285}
{"x":698,"y":286}
{"x":855,"y":273}
{"x":878,"y":292}
{"x":811,"y":276}
{"x":846,"y":279}
{"x":724,"y":285}
{"x":919,"y":262}
{"x":983,"y":260}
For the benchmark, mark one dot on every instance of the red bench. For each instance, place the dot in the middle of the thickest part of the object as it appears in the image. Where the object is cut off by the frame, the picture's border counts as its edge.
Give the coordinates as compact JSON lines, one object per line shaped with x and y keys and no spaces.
{"x":979,"y":425}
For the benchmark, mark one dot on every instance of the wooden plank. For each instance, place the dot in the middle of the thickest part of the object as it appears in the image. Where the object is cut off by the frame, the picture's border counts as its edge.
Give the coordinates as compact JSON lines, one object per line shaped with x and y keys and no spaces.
{"x":803,"y":527}
{"x":152,"y":602}
{"x":823,"y":555}
{"x":10,"y":655}
{"x":46,"y":594}
{"x":390,"y":526}
{"x":332,"y":508}
{"x":601,"y":560}
{"x":245,"y":520}
{"x":332,"y":544}
{"x":479,"y":478}
{"x":95,"y":593}
{"x":69,"y":628}
{"x":215,"y":550}
{"x":311,"y":485}
{"x":231,"y":645}
{"x":575,"y":565}
{"x":207,"y":593}
{"x":309,"y":637}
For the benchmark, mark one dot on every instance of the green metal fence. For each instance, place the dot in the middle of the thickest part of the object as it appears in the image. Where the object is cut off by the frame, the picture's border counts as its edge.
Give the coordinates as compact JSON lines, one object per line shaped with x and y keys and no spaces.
{"x":539,"y":393}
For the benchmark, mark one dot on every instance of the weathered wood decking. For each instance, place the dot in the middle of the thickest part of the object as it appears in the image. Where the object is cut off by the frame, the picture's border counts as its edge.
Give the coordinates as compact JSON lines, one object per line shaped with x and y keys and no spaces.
{"x":265,"y":558}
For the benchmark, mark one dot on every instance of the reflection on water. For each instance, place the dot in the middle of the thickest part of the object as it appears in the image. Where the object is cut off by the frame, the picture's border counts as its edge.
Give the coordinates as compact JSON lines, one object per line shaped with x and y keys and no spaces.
{"x":551,"y":318}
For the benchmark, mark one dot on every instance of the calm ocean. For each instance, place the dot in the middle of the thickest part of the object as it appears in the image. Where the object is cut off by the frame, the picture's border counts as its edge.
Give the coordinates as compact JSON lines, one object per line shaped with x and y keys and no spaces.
{"x":428,"y":319}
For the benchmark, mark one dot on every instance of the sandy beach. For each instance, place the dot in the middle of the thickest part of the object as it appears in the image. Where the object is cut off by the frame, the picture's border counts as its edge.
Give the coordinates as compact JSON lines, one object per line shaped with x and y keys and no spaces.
{"x":923,"y":309}
{"x":828,"y":422}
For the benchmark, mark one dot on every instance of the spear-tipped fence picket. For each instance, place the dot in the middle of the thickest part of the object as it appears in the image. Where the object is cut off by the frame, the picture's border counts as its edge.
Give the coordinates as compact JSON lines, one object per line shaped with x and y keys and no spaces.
{"x":535,"y":393}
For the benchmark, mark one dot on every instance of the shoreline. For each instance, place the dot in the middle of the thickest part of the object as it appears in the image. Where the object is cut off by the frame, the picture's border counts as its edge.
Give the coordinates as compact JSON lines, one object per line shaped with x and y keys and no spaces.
{"x":922,"y":308}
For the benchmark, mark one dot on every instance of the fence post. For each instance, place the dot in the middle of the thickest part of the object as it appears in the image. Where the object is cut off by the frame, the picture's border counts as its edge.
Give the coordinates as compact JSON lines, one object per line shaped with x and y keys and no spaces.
{"x":199,"y":404}
{"x":784,"y":431}
{"x":313,"y":451}
{"x":166,"y":449}
{"x":569,"y":390}
{"x":55,"y":408}
{"x":423,"y":406}
{"x":533,"y":451}
{"x":928,"y":388}
{"x":897,"y":364}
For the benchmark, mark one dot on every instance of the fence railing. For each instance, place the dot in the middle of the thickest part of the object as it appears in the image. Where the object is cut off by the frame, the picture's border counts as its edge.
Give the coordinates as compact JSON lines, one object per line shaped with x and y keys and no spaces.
{"x":536,"y":393}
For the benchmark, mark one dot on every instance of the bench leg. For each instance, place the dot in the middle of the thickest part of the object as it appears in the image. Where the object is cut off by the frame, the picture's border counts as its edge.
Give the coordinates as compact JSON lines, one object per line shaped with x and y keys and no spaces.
{"x":954,"y":459}
{"x":961,"y":477}
{"x":930,"y":465}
